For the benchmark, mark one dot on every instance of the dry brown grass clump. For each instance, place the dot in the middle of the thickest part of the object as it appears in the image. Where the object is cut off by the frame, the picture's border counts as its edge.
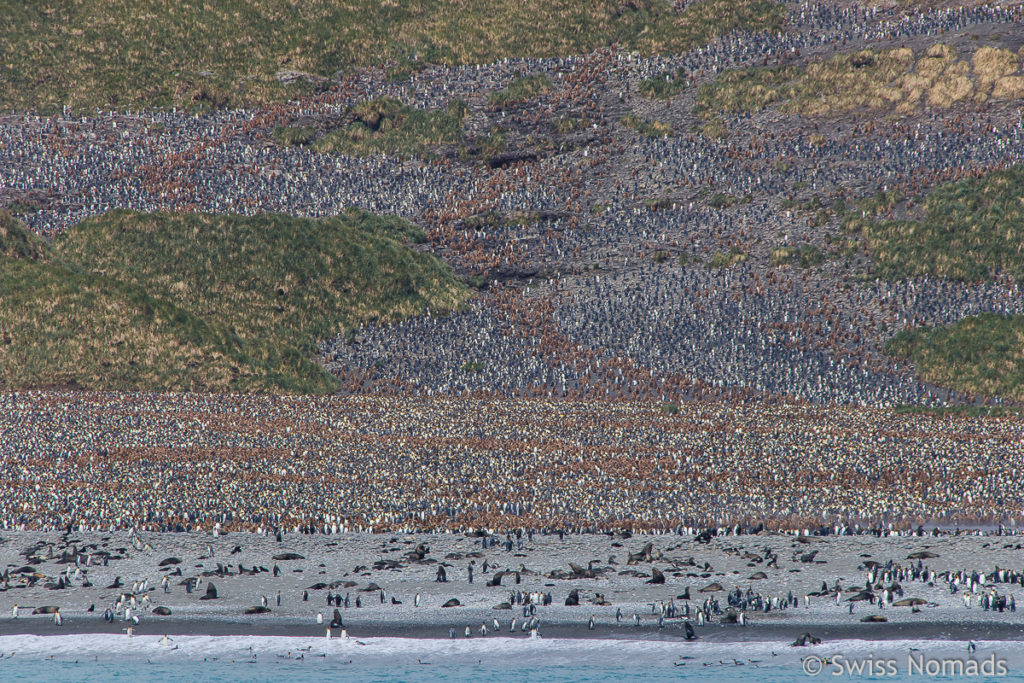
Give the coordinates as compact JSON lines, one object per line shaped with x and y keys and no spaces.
{"x":869,"y":80}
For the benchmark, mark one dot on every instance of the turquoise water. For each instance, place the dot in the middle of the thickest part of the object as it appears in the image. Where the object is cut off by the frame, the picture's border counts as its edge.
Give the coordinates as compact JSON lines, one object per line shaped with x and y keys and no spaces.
{"x":109,"y":657}
{"x":290,"y":671}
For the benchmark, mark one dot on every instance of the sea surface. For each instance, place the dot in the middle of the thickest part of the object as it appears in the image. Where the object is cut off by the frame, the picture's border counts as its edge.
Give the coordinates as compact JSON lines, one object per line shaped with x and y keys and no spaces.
{"x":218,"y":658}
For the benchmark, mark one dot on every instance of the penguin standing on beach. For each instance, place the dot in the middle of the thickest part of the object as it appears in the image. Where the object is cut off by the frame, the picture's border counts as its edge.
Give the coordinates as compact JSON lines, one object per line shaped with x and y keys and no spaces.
{"x":590,"y":624}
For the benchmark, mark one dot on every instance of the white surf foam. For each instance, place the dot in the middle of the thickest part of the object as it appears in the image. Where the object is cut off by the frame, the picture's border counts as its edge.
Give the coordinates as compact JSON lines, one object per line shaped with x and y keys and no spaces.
{"x":598,"y":652}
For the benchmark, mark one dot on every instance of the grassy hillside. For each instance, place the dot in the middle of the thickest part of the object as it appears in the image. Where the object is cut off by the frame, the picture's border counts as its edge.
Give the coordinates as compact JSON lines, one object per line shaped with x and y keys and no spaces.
{"x":17,"y":242}
{"x":203,"y":302}
{"x":968,"y":230}
{"x":158,"y":53}
{"x":62,"y":328}
{"x":981,"y":354}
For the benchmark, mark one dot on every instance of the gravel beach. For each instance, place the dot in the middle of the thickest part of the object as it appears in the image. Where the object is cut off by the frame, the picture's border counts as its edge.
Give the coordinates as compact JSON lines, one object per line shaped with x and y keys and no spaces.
{"x":361,"y":566}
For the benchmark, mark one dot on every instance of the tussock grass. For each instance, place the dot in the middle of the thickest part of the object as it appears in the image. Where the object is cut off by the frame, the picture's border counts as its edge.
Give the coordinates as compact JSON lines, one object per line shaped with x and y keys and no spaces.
{"x":867,"y":80}
{"x":203,"y":302}
{"x":291,"y":279}
{"x":982,"y":354}
{"x":386,"y":126}
{"x":803,"y":256}
{"x":970,"y":230}
{"x":650,"y":129}
{"x":63,"y":328}
{"x":995,"y":68}
{"x":521,"y":90}
{"x":571,"y":124}
{"x":741,"y":90}
{"x":17,"y":242}
{"x":663,"y":86}
{"x":722,"y":259}
{"x":1008,"y":88}
{"x":293,"y":136}
{"x":721,"y":200}
{"x":116,"y":54}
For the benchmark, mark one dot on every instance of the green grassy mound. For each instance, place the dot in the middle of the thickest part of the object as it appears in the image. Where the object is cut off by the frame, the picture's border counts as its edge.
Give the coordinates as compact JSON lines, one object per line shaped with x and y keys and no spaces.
{"x":116,"y":54}
{"x":970,"y":230}
{"x":198,"y":302}
{"x":521,"y":90}
{"x":981,"y":354}
{"x":17,"y":242}
{"x":387,"y":126}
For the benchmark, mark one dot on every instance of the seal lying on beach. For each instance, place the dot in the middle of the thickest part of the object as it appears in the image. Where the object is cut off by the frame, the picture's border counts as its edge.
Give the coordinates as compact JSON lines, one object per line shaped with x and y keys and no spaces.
{"x":288,"y":556}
